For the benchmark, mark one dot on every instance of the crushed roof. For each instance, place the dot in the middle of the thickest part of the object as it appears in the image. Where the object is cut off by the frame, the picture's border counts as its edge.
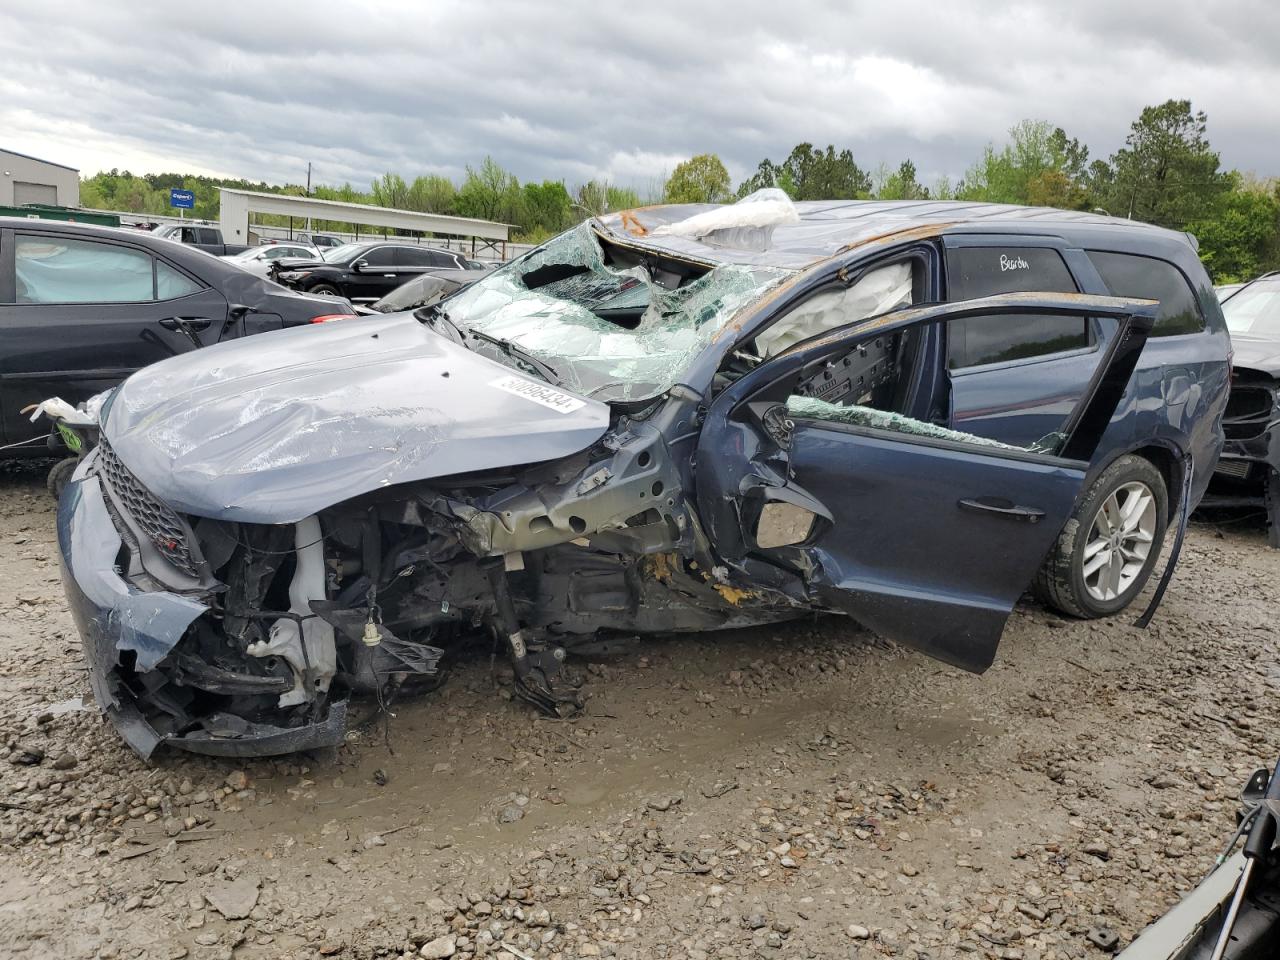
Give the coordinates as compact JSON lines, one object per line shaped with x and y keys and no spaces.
{"x":828,"y":226}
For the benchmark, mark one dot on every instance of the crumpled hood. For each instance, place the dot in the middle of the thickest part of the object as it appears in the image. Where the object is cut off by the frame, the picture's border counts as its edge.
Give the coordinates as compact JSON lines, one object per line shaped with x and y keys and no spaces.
{"x":1256,"y":353}
{"x":274,"y":427}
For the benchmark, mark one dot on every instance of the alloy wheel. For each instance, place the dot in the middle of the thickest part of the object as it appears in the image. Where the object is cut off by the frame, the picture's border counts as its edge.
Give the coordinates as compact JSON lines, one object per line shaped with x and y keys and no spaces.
{"x":1120,"y":537}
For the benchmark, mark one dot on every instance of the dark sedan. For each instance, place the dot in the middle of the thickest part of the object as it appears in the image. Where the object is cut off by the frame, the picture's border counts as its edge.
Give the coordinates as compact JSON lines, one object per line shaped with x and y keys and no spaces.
{"x":366,"y":271}
{"x":83,"y":307}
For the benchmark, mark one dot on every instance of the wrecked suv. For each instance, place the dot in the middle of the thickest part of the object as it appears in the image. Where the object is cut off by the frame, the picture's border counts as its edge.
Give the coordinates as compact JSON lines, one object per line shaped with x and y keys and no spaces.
{"x":680,"y":418}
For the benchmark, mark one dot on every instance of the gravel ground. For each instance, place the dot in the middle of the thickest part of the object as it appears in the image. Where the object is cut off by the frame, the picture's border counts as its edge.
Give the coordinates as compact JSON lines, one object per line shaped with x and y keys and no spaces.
{"x":794,"y":791}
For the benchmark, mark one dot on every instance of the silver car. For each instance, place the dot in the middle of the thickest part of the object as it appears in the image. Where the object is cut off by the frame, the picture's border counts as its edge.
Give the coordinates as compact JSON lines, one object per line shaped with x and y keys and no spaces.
{"x":258,"y":260}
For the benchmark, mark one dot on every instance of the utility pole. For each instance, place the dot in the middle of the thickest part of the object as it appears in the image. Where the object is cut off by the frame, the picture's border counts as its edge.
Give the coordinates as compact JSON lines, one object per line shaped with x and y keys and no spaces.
{"x":308,"y":192}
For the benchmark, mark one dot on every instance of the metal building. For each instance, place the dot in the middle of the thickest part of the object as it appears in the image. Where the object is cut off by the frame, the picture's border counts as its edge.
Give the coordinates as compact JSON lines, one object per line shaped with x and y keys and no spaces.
{"x":25,"y":179}
{"x":236,"y":206}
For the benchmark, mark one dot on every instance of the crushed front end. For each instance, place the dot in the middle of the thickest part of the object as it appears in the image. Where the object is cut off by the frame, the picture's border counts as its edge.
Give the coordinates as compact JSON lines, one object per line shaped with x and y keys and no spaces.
{"x":169,"y":660}
{"x":1248,"y":472}
{"x":244,"y":639}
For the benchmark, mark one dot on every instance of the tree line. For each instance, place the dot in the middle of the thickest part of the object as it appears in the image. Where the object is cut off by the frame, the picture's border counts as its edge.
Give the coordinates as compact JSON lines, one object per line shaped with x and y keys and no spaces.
{"x":1166,"y":173}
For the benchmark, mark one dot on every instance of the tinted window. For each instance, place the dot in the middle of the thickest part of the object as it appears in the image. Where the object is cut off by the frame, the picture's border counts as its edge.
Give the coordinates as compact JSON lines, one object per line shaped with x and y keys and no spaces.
{"x":59,"y":270}
{"x":421,"y":257}
{"x":170,"y":284}
{"x":985,"y":271}
{"x":380,"y":257}
{"x":1127,"y":275}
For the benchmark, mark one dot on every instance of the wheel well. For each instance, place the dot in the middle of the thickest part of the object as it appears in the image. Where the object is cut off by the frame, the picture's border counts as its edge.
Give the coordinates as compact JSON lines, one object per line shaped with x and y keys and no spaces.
{"x":1170,"y":467}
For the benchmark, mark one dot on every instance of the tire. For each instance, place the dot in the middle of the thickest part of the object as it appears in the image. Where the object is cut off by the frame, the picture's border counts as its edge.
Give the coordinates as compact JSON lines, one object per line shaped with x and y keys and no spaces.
{"x":1065,"y":583}
{"x":325,"y":289}
{"x":59,"y":475}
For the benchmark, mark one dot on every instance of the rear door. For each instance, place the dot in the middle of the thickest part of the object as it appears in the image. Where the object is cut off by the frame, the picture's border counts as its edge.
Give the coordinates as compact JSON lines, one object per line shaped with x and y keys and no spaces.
{"x":78,"y":314}
{"x":925,"y":534}
{"x":1013,"y":383}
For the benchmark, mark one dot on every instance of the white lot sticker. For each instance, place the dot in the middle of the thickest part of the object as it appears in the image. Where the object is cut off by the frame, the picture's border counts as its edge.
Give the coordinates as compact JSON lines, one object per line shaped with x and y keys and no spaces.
{"x":539,"y":393}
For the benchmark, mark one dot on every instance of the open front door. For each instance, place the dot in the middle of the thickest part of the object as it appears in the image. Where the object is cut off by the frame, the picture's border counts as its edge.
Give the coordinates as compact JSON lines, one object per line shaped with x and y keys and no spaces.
{"x":808,"y":478}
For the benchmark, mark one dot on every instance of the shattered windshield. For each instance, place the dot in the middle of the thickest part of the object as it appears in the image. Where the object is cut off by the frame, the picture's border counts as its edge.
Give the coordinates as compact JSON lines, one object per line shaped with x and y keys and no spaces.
{"x":607,"y":332}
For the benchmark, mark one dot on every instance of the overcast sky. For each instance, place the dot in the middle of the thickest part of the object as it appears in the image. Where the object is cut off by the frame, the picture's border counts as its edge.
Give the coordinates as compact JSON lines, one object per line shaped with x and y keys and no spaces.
{"x":571,"y":90}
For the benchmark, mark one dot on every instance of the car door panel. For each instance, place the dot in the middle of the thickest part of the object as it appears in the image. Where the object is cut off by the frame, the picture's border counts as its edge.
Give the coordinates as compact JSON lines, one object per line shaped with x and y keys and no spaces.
{"x":75,"y":350}
{"x":891,"y":580}
{"x":926,"y":535}
{"x":376,"y":278}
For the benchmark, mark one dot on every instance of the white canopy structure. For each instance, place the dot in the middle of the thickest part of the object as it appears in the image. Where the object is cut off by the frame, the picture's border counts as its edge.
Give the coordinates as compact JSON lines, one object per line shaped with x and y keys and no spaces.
{"x":237,"y":205}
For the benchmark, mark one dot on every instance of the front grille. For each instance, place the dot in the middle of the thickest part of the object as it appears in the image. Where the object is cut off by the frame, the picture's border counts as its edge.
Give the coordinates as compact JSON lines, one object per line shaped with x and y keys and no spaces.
{"x":1248,"y":411}
{"x":1236,"y":469}
{"x":158,"y":523}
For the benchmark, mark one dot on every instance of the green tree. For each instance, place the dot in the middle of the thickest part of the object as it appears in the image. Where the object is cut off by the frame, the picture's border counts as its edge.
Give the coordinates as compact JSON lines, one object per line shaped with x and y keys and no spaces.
{"x":1241,"y":239}
{"x":1167,"y":173}
{"x":1039,"y":165}
{"x":700,"y":179}
{"x":598,"y":197}
{"x":490,"y":193}
{"x":432,"y":194}
{"x":901,"y":184}
{"x":810,"y":173}
{"x":766,"y":175}
{"x":390,"y":190}
{"x":548,"y":208}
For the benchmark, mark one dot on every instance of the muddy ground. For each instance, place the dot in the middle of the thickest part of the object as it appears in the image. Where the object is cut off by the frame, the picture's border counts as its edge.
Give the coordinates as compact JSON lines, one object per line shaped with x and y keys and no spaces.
{"x":794,"y":791}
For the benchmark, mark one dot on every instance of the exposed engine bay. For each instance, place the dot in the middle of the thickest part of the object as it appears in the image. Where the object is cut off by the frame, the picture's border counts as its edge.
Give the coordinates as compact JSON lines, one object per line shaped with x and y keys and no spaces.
{"x":374,"y":596}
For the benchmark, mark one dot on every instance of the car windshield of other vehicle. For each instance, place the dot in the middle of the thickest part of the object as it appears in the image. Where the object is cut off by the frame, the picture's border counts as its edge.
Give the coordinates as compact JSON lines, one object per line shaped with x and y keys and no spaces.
{"x":345,"y":252}
{"x":613,"y":326}
{"x":1255,"y":310}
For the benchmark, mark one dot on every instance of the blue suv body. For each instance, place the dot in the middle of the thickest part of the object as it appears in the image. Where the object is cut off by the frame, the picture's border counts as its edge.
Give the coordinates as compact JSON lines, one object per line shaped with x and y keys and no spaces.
{"x":675,"y":418}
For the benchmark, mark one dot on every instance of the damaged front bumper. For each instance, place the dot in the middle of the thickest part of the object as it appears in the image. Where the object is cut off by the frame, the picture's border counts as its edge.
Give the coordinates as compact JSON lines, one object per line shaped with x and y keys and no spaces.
{"x":1247,"y":473}
{"x":127,"y":632}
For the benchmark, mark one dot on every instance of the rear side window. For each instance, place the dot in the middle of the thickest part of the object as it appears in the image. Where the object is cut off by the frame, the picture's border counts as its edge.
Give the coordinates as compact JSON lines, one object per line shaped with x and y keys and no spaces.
{"x":170,"y":284}
{"x":974,"y":272}
{"x":62,"y":270}
{"x":425,"y":257}
{"x":1129,"y":275}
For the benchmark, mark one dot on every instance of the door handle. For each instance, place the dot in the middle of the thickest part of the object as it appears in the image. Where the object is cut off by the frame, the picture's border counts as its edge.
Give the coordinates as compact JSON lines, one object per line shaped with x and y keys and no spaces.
{"x":1005,"y":508}
{"x":191,"y":323}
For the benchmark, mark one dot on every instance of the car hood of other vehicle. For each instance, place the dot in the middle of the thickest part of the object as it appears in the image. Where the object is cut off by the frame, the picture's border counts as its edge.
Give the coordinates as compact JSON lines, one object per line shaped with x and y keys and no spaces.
{"x":1256,"y":353}
{"x":273,"y":428}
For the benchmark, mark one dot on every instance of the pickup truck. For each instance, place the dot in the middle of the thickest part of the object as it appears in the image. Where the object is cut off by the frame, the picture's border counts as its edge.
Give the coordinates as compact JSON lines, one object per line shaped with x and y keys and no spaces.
{"x":208,"y":239}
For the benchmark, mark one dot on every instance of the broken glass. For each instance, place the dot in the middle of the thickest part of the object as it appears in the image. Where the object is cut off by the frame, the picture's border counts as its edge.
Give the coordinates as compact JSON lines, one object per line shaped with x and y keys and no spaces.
{"x":811,"y":408}
{"x":610,"y":334}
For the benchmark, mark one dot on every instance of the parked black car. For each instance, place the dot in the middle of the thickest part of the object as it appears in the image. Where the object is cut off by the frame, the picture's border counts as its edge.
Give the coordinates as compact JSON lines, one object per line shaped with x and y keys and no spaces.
{"x":83,"y":307}
{"x":366,"y":271}
{"x":659,"y":421}
{"x":1248,"y":472}
{"x":424,"y":290}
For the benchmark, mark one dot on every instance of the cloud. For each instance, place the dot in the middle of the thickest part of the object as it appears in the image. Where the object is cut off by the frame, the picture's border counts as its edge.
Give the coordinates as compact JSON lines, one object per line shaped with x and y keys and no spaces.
{"x":580,"y":89}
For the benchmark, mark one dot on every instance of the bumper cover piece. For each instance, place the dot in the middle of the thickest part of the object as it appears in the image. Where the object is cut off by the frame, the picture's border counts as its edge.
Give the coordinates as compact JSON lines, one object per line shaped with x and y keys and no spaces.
{"x":116,"y":619}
